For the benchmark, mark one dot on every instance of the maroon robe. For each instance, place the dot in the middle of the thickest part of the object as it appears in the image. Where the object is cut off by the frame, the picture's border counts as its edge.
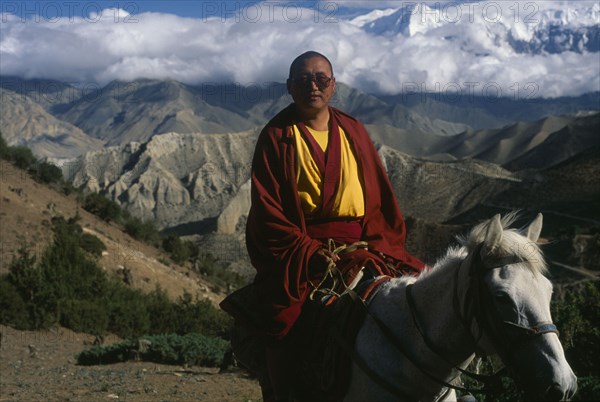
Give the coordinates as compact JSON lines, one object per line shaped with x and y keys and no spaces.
{"x":276,"y":234}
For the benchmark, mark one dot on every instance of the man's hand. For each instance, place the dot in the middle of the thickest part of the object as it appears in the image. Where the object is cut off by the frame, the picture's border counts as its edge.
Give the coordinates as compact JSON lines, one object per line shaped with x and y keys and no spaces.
{"x":320,"y":260}
{"x":328,"y":255}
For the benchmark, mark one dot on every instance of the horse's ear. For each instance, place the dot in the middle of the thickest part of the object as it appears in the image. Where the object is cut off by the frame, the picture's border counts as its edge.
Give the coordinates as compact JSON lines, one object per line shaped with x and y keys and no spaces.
{"x":493,"y":234}
{"x":535,"y":228}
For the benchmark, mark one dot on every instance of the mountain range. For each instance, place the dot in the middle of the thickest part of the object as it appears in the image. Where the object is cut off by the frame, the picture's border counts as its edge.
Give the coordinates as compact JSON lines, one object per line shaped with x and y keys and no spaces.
{"x":43,"y":114}
{"x":180,"y":154}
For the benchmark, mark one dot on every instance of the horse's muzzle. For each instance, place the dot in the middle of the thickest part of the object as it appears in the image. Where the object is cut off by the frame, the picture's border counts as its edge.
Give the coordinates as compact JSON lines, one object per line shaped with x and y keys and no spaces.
{"x":557,"y":392}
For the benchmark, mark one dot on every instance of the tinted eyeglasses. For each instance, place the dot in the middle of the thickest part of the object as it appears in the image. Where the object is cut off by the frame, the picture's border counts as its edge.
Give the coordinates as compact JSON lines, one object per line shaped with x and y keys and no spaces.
{"x":321,"y":80}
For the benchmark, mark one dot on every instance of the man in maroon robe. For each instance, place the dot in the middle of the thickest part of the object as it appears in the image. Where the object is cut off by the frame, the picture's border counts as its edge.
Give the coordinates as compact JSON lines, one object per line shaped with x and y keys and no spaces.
{"x":288,"y":249}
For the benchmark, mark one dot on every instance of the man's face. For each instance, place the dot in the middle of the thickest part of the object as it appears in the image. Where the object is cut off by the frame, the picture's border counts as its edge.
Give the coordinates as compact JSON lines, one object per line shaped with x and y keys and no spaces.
{"x":312,"y":84}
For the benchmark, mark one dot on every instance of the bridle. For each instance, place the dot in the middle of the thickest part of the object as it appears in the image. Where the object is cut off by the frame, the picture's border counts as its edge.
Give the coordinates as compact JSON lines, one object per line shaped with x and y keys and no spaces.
{"x":484,"y":310}
{"x":479,"y":307}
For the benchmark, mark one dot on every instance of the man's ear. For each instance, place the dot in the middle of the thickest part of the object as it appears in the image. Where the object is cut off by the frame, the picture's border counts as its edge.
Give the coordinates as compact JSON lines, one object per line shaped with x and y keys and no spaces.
{"x":288,"y":84}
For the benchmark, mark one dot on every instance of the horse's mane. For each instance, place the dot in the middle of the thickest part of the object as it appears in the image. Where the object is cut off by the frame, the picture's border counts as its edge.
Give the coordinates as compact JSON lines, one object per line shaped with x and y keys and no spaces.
{"x":513,"y":242}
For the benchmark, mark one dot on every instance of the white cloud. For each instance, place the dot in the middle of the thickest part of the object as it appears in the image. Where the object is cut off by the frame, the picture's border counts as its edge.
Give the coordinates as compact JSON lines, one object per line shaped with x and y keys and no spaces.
{"x":259,"y":43}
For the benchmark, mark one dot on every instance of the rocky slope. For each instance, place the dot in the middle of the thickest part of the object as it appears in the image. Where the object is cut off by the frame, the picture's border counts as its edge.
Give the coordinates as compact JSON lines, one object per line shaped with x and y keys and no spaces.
{"x":25,"y":122}
{"x":173,"y":179}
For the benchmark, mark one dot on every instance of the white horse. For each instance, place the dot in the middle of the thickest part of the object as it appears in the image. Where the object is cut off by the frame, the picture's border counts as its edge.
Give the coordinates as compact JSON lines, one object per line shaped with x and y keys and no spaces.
{"x":489,"y":297}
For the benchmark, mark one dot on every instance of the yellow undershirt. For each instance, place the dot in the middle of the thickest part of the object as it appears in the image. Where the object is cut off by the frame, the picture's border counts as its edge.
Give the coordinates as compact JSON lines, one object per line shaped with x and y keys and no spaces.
{"x":349,"y":198}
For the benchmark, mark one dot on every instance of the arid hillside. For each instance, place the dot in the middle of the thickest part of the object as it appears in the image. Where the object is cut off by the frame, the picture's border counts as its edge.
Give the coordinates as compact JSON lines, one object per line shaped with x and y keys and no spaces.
{"x":27,"y":208}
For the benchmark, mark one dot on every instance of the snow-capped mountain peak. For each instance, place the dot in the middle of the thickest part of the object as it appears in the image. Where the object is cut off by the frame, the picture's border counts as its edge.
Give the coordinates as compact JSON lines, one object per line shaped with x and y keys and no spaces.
{"x":526,"y":27}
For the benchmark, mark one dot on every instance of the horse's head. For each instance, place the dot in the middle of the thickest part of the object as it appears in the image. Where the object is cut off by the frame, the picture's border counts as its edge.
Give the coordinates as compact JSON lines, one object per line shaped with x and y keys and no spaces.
{"x":513,"y":307}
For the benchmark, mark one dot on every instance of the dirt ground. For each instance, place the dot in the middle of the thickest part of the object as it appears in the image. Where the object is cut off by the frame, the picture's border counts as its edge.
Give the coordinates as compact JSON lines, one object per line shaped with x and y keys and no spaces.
{"x":41,"y":366}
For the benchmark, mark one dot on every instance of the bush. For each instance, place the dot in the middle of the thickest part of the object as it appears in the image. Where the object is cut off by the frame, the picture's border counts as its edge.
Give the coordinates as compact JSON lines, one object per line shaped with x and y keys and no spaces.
{"x":222,"y":278}
{"x":84,"y":316}
{"x":48,"y":173}
{"x":22,"y":157}
{"x":106,"y":354}
{"x":102,"y":207}
{"x":68,"y":188}
{"x":28,"y":280}
{"x":190,"y":349}
{"x":179,"y":250}
{"x":200,"y":316}
{"x":162,"y":312}
{"x":588,"y":389}
{"x":143,"y":230}
{"x":66,"y":267}
{"x":92,"y":244}
{"x":13,"y":308}
{"x":127,"y":311}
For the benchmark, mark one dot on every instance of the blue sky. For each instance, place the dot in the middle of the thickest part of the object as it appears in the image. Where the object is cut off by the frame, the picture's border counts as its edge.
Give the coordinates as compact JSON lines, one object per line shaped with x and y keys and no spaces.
{"x":183,"y":8}
{"x":454,"y":47}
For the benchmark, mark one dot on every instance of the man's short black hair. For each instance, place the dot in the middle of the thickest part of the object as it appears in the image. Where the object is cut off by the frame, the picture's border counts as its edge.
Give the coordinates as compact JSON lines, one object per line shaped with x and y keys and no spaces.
{"x":304,"y":56}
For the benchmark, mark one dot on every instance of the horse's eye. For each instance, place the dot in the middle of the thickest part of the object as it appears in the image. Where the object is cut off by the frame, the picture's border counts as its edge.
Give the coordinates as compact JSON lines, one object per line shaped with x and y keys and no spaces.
{"x":505,"y":305}
{"x":503,"y":298}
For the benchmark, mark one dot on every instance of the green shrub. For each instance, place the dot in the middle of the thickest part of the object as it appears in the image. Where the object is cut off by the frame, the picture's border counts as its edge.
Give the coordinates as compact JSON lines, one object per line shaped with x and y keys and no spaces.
{"x":143,"y":230}
{"x":200,"y":316}
{"x":216,"y":272}
{"x":189,"y":349}
{"x":92,"y":244}
{"x":28,"y":280}
{"x":102,"y":207}
{"x":162,"y":312}
{"x":115,"y":353}
{"x":179,"y":250}
{"x":13,"y":308}
{"x":22,"y":157}
{"x":84,"y":316}
{"x":127,"y":311}
{"x":192,"y":349}
{"x":48,"y":173}
{"x":66,"y":267}
{"x":588,"y":389}
{"x":68,"y":188}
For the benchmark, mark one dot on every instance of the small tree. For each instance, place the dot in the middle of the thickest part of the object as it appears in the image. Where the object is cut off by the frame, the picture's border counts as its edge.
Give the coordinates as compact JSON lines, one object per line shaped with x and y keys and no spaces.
{"x":40,"y":301}
{"x":49,"y":173}
{"x":22,"y":157}
{"x":143,"y":230}
{"x":102,"y":207}
{"x":180,"y":250}
{"x":92,"y":244}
